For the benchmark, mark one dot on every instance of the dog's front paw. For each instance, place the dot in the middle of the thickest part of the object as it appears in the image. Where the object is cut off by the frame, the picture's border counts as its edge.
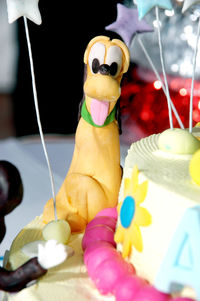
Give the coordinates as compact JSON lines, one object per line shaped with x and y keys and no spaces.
{"x":52,"y":253}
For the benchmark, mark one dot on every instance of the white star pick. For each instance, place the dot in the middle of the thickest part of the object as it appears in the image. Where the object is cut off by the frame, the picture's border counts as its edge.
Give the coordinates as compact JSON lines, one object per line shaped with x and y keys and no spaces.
{"x":188,"y":3}
{"x":26,"y":8}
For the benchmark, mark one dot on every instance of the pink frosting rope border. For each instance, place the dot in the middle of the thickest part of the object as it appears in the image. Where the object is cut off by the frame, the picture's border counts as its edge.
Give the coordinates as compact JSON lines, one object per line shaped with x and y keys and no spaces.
{"x":110,"y":272}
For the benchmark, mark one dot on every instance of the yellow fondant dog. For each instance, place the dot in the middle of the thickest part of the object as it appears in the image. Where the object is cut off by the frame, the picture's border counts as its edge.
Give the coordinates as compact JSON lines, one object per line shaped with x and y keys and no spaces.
{"x":94,"y":177}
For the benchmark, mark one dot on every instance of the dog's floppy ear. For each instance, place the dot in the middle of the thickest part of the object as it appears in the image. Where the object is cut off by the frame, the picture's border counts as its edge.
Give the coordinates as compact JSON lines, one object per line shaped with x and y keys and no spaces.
{"x":126,"y":53}
{"x":91,"y":43}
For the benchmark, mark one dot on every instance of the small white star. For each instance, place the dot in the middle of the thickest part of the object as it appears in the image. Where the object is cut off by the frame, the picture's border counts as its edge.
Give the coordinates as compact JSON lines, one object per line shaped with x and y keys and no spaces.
{"x":27,"y":8}
{"x":188,"y":3}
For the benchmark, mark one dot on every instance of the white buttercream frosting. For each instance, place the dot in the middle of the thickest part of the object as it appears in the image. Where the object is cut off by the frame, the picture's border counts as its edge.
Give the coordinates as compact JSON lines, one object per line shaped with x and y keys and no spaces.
{"x":68,"y":281}
{"x":170,"y":192}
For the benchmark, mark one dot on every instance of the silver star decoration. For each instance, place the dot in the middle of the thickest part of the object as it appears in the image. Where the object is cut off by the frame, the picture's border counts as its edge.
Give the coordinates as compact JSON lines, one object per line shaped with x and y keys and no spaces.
{"x":188,"y":3}
{"x":26,"y":8}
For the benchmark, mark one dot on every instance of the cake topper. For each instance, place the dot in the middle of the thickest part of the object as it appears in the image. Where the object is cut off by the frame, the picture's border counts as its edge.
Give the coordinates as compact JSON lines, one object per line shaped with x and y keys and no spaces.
{"x":29,"y":9}
{"x":177,"y":142}
{"x":129,"y":27}
{"x":57,"y":229}
{"x":127,"y":24}
{"x":26,"y":8}
{"x":94,"y":177}
{"x":144,"y":7}
{"x":188,"y":4}
{"x":11,"y":193}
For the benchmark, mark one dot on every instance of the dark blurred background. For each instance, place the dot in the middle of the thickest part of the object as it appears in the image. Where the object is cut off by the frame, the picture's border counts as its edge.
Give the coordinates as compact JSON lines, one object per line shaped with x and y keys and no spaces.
{"x":58,"y":46}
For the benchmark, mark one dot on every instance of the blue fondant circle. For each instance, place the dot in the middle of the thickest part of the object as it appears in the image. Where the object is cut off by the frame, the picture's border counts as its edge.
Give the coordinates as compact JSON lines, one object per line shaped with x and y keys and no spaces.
{"x":127,"y":211}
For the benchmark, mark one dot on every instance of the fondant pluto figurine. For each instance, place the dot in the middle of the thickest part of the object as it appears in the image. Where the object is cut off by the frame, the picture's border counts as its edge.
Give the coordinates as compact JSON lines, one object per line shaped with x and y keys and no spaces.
{"x":94,"y":177}
{"x":11,"y":193}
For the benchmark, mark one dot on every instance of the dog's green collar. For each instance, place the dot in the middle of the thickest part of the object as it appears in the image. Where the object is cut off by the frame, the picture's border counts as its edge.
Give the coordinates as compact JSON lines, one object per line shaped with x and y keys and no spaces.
{"x":87,"y":116}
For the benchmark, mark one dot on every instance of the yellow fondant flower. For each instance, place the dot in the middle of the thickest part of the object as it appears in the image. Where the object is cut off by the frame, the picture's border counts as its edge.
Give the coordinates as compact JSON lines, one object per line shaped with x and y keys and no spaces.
{"x":132,"y":215}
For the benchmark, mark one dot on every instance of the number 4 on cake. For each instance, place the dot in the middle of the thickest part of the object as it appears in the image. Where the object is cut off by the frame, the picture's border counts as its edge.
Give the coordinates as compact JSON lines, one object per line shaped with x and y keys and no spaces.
{"x":181,"y":265}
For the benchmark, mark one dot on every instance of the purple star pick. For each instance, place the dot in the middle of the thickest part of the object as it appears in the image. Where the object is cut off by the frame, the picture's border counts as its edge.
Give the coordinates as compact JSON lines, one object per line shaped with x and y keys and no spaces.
{"x":128,"y":24}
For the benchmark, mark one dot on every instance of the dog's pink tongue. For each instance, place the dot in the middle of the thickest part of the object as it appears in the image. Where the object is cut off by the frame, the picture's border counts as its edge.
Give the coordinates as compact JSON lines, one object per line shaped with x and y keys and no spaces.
{"x":99,"y":111}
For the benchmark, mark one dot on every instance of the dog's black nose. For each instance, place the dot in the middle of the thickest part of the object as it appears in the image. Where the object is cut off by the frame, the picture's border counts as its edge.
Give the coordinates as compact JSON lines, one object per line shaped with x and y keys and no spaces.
{"x":104,"y":69}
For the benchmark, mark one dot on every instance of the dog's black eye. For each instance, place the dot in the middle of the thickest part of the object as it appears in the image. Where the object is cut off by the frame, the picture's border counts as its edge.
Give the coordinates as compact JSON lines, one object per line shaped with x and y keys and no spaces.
{"x":95,"y":65}
{"x":113,"y":68}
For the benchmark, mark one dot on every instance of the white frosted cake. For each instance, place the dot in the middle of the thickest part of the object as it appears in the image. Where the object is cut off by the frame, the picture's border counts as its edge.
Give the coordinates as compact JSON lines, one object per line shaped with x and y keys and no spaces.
{"x":157,"y":233}
{"x":159,"y":204}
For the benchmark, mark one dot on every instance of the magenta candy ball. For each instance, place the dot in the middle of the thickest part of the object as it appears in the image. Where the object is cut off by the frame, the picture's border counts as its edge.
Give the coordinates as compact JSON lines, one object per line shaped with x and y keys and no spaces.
{"x":98,"y":233}
{"x":149,"y":293}
{"x":128,"y":287}
{"x":98,"y":258}
{"x":110,"y":212}
{"x":94,"y":248}
{"x":110,"y":273}
{"x":102,"y":220}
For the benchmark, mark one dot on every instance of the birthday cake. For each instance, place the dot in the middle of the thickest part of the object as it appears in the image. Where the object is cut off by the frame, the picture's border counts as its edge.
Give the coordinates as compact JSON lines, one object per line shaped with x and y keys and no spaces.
{"x":157,"y":236}
{"x":147,"y":248}
{"x":159,"y":216}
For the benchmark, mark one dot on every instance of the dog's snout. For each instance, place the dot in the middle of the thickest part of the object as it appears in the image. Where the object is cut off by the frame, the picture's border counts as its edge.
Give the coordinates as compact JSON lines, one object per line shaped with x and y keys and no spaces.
{"x":104,"y":69}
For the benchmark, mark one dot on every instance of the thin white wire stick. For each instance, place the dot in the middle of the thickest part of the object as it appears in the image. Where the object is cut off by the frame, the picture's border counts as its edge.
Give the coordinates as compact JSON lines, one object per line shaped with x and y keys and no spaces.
{"x":193,"y":77}
{"x":163,"y":67}
{"x":38,"y":115}
{"x":159,"y":78}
